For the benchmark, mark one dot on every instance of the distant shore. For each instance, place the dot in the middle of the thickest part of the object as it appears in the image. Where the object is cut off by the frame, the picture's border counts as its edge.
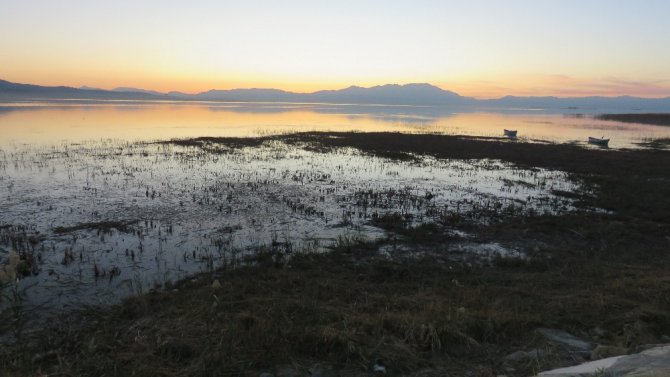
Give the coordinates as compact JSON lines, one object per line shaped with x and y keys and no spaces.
{"x":656,"y":119}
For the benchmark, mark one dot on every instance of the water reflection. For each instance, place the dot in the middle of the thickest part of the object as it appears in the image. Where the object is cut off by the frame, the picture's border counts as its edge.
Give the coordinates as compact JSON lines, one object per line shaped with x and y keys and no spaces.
{"x":101,"y":221}
{"x":49,"y":122}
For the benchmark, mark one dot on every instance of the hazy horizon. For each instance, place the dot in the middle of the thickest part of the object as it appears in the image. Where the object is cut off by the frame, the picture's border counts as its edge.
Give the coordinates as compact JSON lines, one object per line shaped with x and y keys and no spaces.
{"x":481,"y":49}
{"x":158,"y":92}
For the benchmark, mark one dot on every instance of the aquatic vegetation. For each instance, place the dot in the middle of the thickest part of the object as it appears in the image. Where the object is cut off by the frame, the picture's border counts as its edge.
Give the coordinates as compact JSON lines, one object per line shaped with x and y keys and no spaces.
{"x":106,"y":218}
{"x":8,"y":271}
{"x":345,"y":254}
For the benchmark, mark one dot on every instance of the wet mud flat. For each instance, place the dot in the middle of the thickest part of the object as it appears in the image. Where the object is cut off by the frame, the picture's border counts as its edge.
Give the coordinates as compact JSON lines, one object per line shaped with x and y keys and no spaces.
{"x":427,"y":254}
{"x":95,"y":223}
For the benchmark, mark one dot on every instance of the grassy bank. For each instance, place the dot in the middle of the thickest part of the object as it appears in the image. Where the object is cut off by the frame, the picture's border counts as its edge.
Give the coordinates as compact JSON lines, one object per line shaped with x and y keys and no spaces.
{"x":657,"y":119}
{"x":601,"y":275}
{"x":351,"y":308}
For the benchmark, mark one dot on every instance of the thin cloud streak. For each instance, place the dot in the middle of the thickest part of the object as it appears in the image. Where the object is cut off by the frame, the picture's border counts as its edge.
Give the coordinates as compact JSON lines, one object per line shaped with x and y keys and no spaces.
{"x":562,"y":86}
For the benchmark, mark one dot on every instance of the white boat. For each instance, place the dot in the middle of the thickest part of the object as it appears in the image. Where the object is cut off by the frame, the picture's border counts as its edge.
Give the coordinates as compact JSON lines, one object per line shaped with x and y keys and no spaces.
{"x":598,"y":141}
{"x":509,"y":133}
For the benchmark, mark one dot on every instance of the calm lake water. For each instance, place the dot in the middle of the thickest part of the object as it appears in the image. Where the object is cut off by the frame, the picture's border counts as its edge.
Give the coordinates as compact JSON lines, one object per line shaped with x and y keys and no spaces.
{"x":68,"y":121}
{"x":100,"y":215}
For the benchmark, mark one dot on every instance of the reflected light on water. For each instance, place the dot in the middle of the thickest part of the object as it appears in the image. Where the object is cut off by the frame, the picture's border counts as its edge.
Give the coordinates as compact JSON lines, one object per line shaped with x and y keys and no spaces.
{"x":50,"y":122}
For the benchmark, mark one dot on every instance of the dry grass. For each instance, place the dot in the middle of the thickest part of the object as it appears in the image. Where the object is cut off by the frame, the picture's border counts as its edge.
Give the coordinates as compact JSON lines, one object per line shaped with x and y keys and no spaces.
{"x":350,"y":308}
{"x":425,"y":315}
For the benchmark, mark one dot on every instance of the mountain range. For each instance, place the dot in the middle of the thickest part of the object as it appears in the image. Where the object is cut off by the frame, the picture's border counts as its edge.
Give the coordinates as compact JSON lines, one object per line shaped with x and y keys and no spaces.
{"x":391,"y":94}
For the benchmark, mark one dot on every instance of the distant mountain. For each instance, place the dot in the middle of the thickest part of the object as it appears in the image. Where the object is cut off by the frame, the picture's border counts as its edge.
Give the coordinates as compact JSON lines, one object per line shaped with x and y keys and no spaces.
{"x":410,"y":94}
{"x":178,"y":95}
{"x":84,"y":87}
{"x":125,"y":90}
{"x":11,"y":91}
{"x":251,"y":95}
{"x":392,"y":94}
{"x":136,"y":90}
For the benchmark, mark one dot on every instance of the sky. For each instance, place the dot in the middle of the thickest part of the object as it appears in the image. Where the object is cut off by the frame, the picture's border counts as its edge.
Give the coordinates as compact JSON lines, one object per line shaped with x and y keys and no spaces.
{"x":479,"y":48}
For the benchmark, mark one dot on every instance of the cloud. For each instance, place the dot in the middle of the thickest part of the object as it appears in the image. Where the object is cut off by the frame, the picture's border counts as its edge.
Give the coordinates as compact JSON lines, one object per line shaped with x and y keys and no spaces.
{"x":563,"y":86}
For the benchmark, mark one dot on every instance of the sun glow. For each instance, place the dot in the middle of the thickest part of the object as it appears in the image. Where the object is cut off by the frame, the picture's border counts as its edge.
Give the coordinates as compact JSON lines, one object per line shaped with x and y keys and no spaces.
{"x":481,"y":48}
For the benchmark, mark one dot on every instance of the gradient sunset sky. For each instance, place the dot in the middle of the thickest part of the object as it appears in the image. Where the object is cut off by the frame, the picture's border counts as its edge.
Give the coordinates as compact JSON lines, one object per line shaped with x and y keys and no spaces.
{"x":480,"y":48}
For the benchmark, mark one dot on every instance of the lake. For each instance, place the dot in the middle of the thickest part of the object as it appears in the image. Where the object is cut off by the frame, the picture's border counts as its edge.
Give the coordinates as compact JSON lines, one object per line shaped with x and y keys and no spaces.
{"x":96,"y":211}
{"x":76,"y":121}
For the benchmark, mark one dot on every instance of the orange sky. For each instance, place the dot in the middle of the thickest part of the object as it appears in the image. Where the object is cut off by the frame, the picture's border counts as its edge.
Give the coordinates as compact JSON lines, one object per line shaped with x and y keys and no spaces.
{"x":480,"y":48}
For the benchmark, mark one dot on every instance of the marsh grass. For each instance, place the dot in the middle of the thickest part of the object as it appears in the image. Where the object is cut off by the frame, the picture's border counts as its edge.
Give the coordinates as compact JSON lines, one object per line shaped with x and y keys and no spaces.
{"x":99,"y":226}
{"x":657,"y":119}
{"x":351,"y":307}
{"x":661,"y":143}
{"x":423,"y":315}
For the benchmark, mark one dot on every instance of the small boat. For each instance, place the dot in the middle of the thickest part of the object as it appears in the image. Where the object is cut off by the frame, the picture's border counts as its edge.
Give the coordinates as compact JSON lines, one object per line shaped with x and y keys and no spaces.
{"x":602,"y":141}
{"x":509,"y":133}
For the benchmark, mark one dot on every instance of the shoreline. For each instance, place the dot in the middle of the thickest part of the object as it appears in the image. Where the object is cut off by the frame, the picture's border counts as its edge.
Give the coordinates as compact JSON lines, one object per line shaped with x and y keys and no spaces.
{"x":654,"y":119}
{"x":416,"y":309}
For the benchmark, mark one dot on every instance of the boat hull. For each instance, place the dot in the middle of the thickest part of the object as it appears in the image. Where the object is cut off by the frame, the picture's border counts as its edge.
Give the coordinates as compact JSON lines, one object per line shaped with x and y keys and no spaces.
{"x":509,"y":133}
{"x":597,"y":141}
